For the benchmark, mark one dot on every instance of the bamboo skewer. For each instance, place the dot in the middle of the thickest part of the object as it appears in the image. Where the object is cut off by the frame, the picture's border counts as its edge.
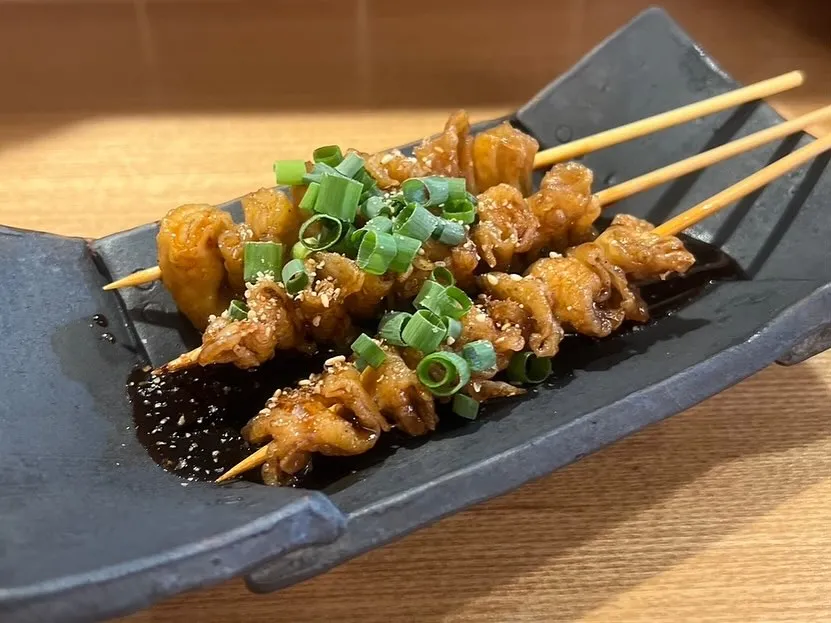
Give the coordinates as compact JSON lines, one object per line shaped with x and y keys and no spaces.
{"x":672,"y":227}
{"x":709,"y":157}
{"x":624,"y":133}
{"x":661,"y":121}
{"x":753,"y":182}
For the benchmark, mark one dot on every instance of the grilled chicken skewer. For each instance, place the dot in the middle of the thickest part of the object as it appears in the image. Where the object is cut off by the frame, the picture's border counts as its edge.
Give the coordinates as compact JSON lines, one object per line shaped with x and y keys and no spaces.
{"x":605,"y":139}
{"x":342,"y":411}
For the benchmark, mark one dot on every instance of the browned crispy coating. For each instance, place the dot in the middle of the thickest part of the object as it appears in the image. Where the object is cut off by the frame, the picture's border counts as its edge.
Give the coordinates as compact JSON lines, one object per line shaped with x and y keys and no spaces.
{"x":504,"y":155}
{"x":506,"y":226}
{"x":461,"y":260}
{"x":231,"y":245}
{"x":451,"y":152}
{"x":546,"y":334}
{"x":565,"y":207}
{"x":631,"y":244}
{"x":191,"y":263}
{"x":271,"y":326}
{"x":390,"y":168}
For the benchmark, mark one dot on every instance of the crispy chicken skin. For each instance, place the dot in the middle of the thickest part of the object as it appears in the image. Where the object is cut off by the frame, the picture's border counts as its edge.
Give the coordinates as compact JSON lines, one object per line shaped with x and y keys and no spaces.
{"x":504,"y":155}
{"x":192,"y":266}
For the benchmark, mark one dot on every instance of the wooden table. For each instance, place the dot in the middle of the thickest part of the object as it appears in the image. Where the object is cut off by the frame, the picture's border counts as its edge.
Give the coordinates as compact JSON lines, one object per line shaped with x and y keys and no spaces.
{"x":722,"y":513}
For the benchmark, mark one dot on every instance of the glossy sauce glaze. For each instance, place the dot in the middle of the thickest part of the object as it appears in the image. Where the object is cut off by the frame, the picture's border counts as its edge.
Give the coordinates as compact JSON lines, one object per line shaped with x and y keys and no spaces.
{"x":189,"y":421}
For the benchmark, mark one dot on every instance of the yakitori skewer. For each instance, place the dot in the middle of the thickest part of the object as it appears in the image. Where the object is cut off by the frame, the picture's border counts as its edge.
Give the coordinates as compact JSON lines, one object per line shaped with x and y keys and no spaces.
{"x":641,"y":183}
{"x":670,"y":228}
{"x":630,"y":131}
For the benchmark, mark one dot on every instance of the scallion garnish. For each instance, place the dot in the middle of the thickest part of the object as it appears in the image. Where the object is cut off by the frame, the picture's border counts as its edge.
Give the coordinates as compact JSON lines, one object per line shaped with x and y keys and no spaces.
{"x":318,"y":171}
{"x":456,"y":188}
{"x":465,"y":406}
{"x":261,"y":258}
{"x":460,"y":210}
{"x":453,"y":302}
{"x":290,"y":172}
{"x":429,"y":296}
{"x":338,"y":197}
{"x":416,"y":222}
{"x":406,"y":250}
{"x":346,"y":245}
{"x":328,"y":154}
{"x":449,"y":232}
{"x":351,"y":165}
{"x":376,"y":251}
{"x":454,"y":328}
{"x":360,"y":364}
{"x":307,"y":203}
{"x":391,"y":326}
{"x":427,"y":191}
{"x":237,"y":310}
{"x":526,"y":367}
{"x":376,"y":206}
{"x":295,"y":277}
{"x":480,"y":355}
{"x":442,"y":276}
{"x":366,"y":349}
{"x":443,"y":373}
{"x":329,"y":232}
{"x":299,"y":251}
{"x":424,"y":331}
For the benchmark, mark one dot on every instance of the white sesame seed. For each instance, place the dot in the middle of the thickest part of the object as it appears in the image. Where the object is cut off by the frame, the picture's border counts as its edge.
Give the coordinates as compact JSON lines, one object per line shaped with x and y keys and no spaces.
{"x":316,"y":321}
{"x":492,"y":279}
{"x":516,"y":277}
{"x":304,"y":382}
{"x":386,"y":158}
{"x":181,"y":421}
{"x":554,"y":255}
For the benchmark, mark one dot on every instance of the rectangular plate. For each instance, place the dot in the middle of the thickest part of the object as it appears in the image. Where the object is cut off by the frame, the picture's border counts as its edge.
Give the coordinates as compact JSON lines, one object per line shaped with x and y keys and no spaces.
{"x":108,"y":532}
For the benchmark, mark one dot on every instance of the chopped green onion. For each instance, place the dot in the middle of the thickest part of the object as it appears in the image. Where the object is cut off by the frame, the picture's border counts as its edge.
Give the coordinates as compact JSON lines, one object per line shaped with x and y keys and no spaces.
{"x":260,"y":258}
{"x":442,"y":276}
{"x":368,"y":182}
{"x":460,"y":210}
{"x":424,"y":331}
{"x":376,"y":206}
{"x":429,"y":297}
{"x":480,"y":355}
{"x":328,"y":236}
{"x":453,"y":302}
{"x":328,"y":154}
{"x":299,"y":251}
{"x":237,"y":310}
{"x":307,"y":203}
{"x":443,"y":373}
{"x":454,"y":328}
{"x":416,"y":222}
{"x":391,"y":326}
{"x":346,"y":246}
{"x":366,"y":349}
{"x":456,"y":188}
{"x":427,"y":191}
{"x":379,"y":224}
{"x":295,"y":277}
{"x":449,"y":232}
{"x":526,"y":367}
{"x":465,"y":406}
{"x":290,"y":172}
{"x":376,"y":251}
{"x":406,"y":250}
{"x":338,"y":197}
{"x":318,"y":171}
{"x":360,"y":364}
{"x":351,"y":165}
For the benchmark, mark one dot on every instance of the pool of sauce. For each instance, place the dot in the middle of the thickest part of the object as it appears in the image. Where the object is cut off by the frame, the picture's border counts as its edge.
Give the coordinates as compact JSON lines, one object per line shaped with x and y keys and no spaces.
{"x":190,"y":421}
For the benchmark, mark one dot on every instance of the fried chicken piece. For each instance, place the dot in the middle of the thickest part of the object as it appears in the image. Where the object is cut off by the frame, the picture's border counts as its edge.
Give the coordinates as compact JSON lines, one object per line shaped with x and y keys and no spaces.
{"x":546,"y":333}
{"x":390,"y":168}
{"x":451,"y":152}
{"x":631,"y":244}
{"x":586,"y":292}
{"x":191,"y":263}
{"x":488,"y":320}
{"x":271,"y":326}
{"x":272,"y":216}
{"x":300,"y":422}
{"x":400,"y":395}
{"x":506,"y":226}
{"x":232,"y":246}
{"x":504,"y":155}
{"x":461,"y":260}
{"x":565,"y":207}
{"x":486,"y":390}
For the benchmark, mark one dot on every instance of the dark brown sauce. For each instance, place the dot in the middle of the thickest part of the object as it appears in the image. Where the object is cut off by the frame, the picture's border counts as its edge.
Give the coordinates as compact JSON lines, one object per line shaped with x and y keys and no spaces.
{"x":190,"y":421}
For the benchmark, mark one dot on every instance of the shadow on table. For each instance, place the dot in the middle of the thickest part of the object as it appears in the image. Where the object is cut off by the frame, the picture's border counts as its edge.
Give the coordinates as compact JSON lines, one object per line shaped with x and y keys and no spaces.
{"x":582,"y":535}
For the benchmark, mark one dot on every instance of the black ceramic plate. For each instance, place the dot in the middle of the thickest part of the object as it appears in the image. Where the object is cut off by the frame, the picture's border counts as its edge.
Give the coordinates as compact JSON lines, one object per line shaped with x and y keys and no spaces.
{"x":91,"y":528}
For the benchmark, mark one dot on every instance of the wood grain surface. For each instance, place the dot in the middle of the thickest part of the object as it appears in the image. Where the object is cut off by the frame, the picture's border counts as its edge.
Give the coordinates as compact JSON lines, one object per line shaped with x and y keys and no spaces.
{"x":113,"y":112}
